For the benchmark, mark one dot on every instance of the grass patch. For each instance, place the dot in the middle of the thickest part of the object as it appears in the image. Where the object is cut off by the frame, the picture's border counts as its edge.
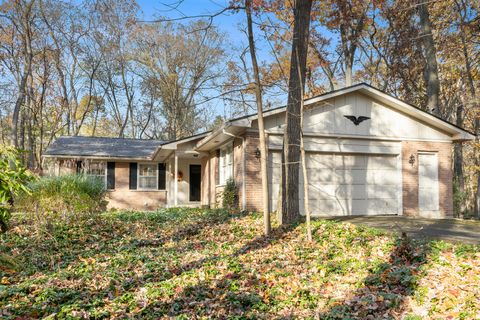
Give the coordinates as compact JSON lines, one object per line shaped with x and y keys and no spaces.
{"x":186,"y":263}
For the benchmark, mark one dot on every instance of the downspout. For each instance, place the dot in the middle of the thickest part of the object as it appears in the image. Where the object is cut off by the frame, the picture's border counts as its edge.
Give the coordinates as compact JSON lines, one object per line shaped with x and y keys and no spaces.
{"x":244,"y":194}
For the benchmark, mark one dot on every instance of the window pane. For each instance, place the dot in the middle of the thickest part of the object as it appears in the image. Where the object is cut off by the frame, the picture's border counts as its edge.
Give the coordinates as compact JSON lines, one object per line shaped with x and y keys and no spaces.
{"x":147,"y":170}
{"x":147,"y":182}
{"x":226,"y":164}
{"x":228,"y":173}
{"x":96,"y":170}
{"x":147,"y":176}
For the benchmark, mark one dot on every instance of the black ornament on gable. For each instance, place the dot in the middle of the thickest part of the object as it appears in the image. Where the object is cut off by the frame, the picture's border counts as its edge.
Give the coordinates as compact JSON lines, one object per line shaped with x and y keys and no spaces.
{"x":357,"y":120}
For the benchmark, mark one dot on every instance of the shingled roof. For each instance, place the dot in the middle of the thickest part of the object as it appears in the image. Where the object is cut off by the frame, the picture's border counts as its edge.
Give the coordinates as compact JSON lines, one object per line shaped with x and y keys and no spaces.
{"x":103,"y":147}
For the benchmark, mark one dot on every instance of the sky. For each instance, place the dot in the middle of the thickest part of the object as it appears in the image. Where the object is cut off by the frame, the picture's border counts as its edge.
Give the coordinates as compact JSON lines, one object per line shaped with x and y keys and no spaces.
{"x":228,"y":21}
{"x":231,"y":23}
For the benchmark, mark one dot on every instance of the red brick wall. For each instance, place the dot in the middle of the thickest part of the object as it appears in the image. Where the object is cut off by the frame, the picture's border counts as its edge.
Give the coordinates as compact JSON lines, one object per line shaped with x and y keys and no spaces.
{"x":211,"y":196}
{"x":124,"y":198}
{"x":253,"y":178}
{"x":209,"y":179}
{"x":410,"y":175}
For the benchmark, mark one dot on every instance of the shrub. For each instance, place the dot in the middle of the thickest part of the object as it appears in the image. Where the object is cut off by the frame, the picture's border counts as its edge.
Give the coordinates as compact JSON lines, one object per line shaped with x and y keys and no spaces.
{"x":230,"y":195}
{"x":13,"y":177}
{"x":64,"y":195}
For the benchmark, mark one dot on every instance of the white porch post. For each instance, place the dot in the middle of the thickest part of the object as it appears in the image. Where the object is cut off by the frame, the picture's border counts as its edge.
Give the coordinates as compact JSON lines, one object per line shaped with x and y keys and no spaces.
{"x":175,"y":199}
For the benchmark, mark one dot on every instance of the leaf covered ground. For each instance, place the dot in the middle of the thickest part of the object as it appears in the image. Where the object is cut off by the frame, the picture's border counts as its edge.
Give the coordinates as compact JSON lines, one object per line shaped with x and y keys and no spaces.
{"x":193,"y":263}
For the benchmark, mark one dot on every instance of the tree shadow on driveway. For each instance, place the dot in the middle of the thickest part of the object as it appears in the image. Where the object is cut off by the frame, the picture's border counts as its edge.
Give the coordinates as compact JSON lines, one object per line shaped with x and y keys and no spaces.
{"x":420,"y":228}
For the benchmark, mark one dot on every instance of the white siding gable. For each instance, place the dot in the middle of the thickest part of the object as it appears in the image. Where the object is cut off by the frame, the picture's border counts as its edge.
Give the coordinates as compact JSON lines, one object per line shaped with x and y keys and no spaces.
{"x":328,"y":118}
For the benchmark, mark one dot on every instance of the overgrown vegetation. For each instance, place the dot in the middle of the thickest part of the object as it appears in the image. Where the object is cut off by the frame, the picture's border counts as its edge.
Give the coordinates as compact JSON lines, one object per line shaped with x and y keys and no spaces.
{"x":194,"y":263}
{"x":230,"y":195}
{"x":13,"y":177}
{"x":66,"y":197}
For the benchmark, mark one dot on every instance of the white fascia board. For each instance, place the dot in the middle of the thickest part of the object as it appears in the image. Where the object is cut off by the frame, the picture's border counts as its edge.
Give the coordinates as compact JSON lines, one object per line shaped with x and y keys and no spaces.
{"x":97,"y":157}
{"x":211,"y":136}
{"x":173,"y":145}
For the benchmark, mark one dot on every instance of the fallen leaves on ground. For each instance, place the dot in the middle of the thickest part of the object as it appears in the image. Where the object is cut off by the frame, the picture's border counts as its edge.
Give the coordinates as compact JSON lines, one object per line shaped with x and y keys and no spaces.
{"x":195,"y":263}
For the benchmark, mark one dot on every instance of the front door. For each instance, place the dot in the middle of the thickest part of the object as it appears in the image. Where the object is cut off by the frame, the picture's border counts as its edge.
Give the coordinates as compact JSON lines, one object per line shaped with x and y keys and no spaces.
{"x":195,"y":182}
{"x":428,"y":197}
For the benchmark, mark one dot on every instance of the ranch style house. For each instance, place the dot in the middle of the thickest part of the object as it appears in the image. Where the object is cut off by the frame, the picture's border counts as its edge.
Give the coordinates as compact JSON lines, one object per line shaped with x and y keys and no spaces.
{"x":367,"y":153}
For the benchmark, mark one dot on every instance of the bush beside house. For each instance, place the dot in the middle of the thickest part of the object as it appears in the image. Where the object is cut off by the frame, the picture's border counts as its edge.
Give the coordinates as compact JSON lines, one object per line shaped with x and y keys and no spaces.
{"x":64,"y":195}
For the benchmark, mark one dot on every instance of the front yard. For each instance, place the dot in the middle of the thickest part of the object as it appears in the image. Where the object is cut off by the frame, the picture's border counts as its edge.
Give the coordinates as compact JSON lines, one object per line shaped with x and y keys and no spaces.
{"x":192,"y":263}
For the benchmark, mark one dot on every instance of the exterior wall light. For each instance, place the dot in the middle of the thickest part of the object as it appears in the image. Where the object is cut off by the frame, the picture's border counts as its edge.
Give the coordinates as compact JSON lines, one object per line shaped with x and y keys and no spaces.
{"x":412,"y":160}
{"x":257,"y":153}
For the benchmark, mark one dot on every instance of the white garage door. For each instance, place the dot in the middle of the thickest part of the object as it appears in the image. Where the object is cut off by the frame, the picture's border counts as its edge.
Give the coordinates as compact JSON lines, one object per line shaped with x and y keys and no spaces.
{"x":341,"y":184}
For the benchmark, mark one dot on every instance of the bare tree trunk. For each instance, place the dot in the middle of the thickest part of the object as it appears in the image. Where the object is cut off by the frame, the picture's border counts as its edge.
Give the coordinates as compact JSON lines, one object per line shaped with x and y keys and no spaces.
{"x":290,"y":165}
{"x":477,"y":196}
{"x":348,"y":68}
{"x":58,"y":65}
{"x":431,"y":70}
{"x":261,"y":126}
{"x":306,"y":194}
{"x":305,"y":181}
{"x":458,"y":159}
{"x":28,"y":57}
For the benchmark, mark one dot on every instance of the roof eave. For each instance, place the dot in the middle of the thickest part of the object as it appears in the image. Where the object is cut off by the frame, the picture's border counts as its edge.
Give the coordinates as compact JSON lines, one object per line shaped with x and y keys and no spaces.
{"x":456,"y":133}
{"x":172,"y":145}
{"x":229,"y":125}
{"x":96,"y":157}
{"x":212,"y":135}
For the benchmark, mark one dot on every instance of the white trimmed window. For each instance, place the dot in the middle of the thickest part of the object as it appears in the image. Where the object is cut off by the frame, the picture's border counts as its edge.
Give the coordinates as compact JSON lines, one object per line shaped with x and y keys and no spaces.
{"x":147,"y":176}
{"x":97,"y":170}
{"x":226,"y":164}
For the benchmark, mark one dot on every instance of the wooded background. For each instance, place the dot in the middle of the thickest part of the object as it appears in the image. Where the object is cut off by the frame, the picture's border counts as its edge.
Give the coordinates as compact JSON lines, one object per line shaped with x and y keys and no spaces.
{"x":96,"y":67}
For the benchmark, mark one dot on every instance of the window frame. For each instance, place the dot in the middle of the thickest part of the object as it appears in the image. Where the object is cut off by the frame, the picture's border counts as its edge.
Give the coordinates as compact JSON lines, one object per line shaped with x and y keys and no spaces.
{"x":87,"y":168}
{"x":155,"y":165}
{"x":223,"y":165}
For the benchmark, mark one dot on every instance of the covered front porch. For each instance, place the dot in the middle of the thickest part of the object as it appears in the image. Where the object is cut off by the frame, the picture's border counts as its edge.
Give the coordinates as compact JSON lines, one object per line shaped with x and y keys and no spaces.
{"x":184,"y":173}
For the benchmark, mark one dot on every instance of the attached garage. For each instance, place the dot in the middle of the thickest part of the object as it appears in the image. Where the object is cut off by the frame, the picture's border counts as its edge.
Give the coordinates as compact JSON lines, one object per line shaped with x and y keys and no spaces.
{"x":346,"y":183}
{"x":367,"y":152}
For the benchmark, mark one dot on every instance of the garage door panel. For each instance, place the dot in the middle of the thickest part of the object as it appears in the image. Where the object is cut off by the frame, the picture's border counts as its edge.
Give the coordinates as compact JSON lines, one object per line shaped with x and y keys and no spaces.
{"x":320,"y":176}
{"x":359,"y":206}
{"x":325,"y":207}
{"x":381,"y":191}
{"x":351,"y":161}
{"x":382,"y":177}
{"x":344,"y":184}
{"x":379,"y":162}
{"x":320,"y":161}
{"x":347,"y":191}
{"x":318,"y":191}
{"x":382,"y":206}
{"x":363,"y":184}
{"x":351,"y":176}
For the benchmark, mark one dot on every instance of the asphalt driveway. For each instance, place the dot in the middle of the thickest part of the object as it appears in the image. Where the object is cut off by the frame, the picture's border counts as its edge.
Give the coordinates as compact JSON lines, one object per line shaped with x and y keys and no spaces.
{"x":463,"y":231}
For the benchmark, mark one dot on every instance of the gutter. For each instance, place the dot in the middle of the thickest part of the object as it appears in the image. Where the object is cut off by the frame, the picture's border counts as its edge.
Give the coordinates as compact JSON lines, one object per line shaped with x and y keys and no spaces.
{"x":95,"y":157}
{"x":244,"y":194}
{"x":213,"y":135}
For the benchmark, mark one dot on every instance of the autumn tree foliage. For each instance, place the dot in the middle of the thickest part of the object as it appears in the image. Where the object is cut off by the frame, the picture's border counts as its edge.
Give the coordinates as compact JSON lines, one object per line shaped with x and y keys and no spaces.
{"x":93,"y":68}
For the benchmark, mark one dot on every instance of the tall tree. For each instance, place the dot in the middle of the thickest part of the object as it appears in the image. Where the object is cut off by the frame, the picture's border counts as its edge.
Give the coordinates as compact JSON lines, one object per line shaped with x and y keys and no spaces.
{"x":292,"y":136}
{"x":261,"y":126}
{"x":181,"y":64}
{"x":431,"y":69}
{"x":21,"y":17}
